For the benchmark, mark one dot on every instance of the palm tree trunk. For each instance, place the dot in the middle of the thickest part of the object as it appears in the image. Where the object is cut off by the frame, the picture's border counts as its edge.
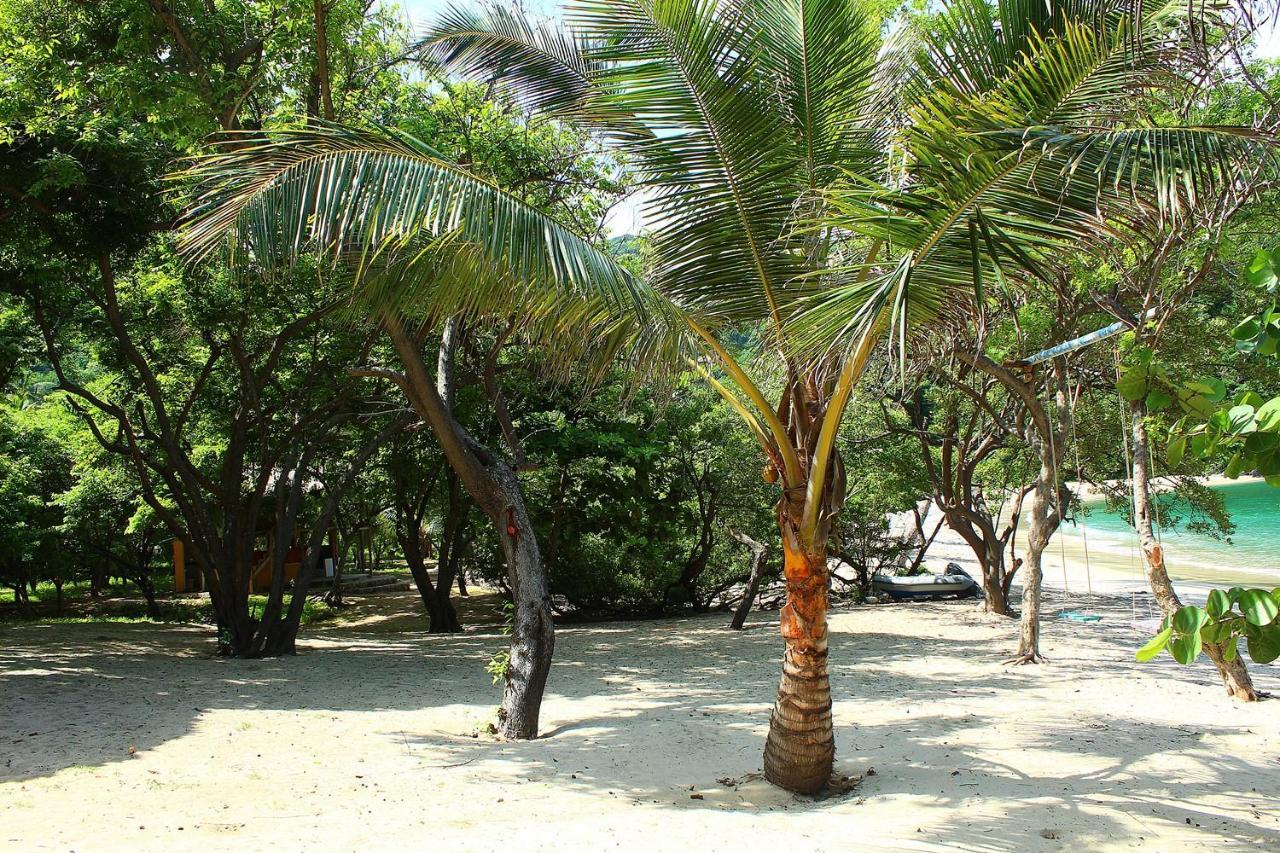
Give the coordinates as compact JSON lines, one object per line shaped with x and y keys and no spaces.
{"x":1235,"y":677}
{"x":800,"y":750}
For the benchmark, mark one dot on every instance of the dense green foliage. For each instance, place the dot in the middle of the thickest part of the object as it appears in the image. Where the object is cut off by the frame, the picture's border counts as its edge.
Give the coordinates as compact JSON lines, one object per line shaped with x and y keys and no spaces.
{"x":148,"y":397}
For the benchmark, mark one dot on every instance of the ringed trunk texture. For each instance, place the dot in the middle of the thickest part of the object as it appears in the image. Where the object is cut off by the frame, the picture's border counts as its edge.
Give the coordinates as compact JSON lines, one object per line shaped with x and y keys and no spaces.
{"x":1234,"y":674}
{"x":800,"y":750}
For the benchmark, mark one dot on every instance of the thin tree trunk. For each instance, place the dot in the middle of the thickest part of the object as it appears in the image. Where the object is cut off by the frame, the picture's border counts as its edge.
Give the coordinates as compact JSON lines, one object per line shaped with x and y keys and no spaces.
{"x":759,"y":556}
{"x":1038,"y":534}
{"x":440,"y":620}
{"x":492,"y":483}
{"x":1235,"y":677}
{"x":533,"y":632}
{"x":800,"y":750}
{"x":148,"y":588}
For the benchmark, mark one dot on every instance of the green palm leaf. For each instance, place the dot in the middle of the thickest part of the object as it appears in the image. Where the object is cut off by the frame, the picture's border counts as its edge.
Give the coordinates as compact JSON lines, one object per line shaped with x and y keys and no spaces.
{"x":374,"y":199}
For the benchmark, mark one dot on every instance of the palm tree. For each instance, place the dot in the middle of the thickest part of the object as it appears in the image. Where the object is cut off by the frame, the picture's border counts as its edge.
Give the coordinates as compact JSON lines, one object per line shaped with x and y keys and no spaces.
{"x":806,"y":179}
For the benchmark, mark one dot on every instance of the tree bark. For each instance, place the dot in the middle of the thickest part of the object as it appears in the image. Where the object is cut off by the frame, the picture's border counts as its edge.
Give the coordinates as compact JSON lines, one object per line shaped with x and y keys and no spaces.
{"x":492,"y":483}
{"x":759,"y":555}
{"x":533,"y":632}
{"x":1038,"y":534}
{"x":1234,"y":674}
{"x":800,"y":750}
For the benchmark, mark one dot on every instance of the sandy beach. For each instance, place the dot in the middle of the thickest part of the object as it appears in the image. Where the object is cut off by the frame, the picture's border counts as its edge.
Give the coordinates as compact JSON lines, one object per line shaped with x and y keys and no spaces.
{"x":372,"y":739}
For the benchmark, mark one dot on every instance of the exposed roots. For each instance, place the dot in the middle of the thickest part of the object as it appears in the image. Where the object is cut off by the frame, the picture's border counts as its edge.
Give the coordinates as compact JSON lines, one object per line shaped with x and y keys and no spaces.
{"x":1023,"y":660}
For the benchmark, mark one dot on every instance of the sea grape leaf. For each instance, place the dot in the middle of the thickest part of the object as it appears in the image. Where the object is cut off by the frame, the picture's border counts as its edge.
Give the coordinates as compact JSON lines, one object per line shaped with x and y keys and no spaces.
{"x":1268,"y":416}
{"x":1258,"y":606}
{"x":1240,"y":419}
{"x":1261,"y":442}
{"x":1132,"y":384}
{"x":1211,"y":387}
{"x":1248,"y":330}
{"x":1186,"y":648}
{"x":1217,"y":604}
{"x":1262,"y":270}
{"x":1177,"y":448}
{"x":1265,"y":646}
{"x":1250,"y":398}
{"x":1154,"y":646}
{"x":1189,"y":619}
{"x":1235,"y":466}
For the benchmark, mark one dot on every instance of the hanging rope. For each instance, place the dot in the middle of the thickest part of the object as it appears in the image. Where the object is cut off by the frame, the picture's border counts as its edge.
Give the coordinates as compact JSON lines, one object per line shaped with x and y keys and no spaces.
{"x":1128,"y":461}
{"x":1084,"y":531}
{"x":1057,"y":492}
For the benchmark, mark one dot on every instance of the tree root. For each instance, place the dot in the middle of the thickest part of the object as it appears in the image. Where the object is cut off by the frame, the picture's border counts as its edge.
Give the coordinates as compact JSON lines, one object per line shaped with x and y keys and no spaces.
{"x":1023,"y":660}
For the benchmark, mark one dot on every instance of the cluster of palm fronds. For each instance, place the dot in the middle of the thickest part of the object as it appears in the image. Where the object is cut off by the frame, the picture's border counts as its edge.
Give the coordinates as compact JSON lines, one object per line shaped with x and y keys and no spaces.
{"x":803,"y":169}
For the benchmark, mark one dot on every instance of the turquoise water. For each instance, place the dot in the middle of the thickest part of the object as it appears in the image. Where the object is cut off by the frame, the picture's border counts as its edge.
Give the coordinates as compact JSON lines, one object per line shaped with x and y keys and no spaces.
{"x":1253,"y":547}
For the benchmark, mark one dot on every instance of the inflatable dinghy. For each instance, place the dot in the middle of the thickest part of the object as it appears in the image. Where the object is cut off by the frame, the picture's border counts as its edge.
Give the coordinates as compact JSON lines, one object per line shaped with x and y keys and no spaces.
{"x":955,"y":583}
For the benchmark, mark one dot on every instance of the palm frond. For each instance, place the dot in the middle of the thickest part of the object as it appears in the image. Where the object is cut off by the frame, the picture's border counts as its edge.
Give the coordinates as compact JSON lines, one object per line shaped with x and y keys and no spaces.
{"x":548,"y":67}
{"x":370,"y":199}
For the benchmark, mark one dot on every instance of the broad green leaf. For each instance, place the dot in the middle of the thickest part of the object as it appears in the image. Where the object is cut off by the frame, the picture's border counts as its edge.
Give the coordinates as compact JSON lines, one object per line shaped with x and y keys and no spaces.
{"x":1211,"y":387}
{"x":1231,"y":650}
{"x":1261,"y":271}
{"x":1154,"y":646}
{"x":1248,"y":330}
{"x":1132,"y":385}
{"x":1189,"y":619}
{"x":1268,"y":416}
{"x":1158,"y":401}
{"x":1235,"y":466}
{"x":1177,"y":448}
{"x":1240,"y":419}
{"x":1265,"y":647}
{"x":1186,"y":648}
{"x":1258,"y":606}
{"x":1250,"y":398}
{"x":1217,"y":604}
{"x":1261,"y":442}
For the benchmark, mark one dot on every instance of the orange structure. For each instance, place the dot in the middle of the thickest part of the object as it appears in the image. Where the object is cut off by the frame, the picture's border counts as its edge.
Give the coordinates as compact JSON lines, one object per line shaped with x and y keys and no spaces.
{"x":187,"y":576}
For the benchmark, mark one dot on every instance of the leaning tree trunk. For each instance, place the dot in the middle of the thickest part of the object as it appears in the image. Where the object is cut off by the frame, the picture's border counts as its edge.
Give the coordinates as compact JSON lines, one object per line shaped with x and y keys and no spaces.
{"x":533,"y":638}
{"x":1235,"y":676}
{"x":492,"y":483}
{"x":800,"y":750}
{"x":759,"y":555}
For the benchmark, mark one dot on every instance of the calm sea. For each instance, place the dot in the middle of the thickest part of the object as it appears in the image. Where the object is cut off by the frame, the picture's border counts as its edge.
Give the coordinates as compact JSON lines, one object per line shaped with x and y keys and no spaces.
{"x":1252,"y":549}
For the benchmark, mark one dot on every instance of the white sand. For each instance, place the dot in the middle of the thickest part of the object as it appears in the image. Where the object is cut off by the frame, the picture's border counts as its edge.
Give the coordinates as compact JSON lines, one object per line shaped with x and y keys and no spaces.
{"x":132,"y":737}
